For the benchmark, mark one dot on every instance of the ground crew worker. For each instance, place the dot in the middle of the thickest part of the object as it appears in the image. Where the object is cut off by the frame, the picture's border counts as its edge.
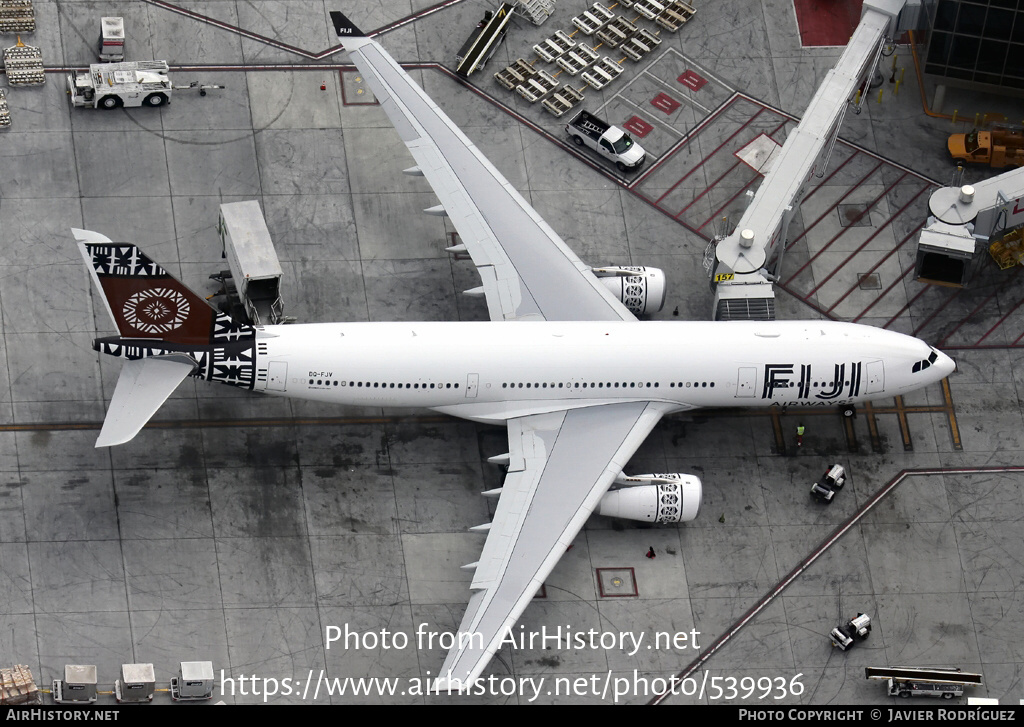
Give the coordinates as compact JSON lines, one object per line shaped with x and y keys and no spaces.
{"x":800,"y":434}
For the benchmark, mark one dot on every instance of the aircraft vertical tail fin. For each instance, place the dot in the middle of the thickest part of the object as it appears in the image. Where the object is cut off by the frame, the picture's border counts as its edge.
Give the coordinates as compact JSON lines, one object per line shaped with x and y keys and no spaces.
{"x":167,"y":332}
{"x":146,"y":302}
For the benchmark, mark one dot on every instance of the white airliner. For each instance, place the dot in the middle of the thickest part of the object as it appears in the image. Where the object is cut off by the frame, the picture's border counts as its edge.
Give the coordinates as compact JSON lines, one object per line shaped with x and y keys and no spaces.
{"x":563,"y":363}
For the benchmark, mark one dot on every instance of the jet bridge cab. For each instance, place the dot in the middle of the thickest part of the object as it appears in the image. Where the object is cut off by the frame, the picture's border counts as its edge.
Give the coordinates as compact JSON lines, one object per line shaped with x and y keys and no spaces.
{"x":945,"y":255}
{"x":961,"y":217}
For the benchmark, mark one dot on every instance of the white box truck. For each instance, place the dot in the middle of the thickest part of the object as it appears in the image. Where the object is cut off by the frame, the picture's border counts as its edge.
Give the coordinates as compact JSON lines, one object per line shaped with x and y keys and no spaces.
{"x":253,"y":282}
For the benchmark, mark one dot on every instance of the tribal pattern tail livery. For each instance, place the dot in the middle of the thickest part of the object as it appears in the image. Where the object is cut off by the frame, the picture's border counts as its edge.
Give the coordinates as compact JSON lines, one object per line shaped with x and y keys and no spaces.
{"x":167,"y":332}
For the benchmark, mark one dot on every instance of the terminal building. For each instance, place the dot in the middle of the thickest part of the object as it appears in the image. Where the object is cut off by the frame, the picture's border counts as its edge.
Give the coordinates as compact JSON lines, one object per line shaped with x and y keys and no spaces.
{"x":976,"y":44}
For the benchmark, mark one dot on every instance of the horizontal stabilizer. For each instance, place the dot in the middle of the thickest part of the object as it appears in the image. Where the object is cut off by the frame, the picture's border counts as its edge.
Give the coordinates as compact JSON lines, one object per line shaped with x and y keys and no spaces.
{"x":144,"y":385}
{"x":89,"y":236}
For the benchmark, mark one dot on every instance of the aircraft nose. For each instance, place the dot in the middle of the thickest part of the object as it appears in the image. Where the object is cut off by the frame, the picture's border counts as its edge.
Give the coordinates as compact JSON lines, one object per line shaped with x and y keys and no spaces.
{"x":945,"y":365}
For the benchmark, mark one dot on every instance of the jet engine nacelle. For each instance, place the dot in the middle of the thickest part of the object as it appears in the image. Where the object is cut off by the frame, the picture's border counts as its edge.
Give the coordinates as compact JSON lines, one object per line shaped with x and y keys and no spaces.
{"x":659,"y":498}
{"x":640,"y":289}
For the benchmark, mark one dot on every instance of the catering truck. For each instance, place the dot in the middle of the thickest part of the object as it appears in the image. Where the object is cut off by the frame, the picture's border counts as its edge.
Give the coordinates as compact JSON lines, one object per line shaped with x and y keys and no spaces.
{"x":252,"y":282}
{"x":609,"y":141}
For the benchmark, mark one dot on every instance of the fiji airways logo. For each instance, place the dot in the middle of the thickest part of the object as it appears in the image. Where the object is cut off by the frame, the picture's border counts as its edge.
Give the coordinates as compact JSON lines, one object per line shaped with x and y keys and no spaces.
{"x":157,"y":310}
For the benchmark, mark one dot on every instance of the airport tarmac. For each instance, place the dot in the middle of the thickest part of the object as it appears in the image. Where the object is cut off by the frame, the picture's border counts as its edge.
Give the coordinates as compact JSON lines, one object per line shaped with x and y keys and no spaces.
{"x":239,"y":528}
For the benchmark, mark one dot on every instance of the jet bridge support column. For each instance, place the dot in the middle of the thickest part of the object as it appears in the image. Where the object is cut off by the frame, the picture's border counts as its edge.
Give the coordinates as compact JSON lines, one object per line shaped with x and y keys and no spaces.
{"x":760,"y":236}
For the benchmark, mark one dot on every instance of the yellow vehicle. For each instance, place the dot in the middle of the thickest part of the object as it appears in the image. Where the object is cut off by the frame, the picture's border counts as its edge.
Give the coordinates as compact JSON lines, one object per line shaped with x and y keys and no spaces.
{"x":997,"y":148}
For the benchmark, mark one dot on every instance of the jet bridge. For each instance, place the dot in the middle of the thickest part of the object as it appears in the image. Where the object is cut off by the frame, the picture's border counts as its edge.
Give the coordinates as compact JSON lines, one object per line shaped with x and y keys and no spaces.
{"x":960,"y":216}
{"x":739,"y":271}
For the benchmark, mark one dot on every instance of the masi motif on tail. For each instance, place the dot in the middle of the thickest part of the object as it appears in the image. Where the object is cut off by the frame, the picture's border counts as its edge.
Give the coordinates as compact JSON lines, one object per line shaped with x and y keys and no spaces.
{"x":156,"y":315}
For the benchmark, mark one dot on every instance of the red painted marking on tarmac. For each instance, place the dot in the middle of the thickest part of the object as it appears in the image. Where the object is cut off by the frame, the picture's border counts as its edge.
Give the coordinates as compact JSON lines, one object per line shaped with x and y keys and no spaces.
{"x":844,"y":229}
{"x":702,"y":161}
{"x":290,"y":48}
{"x":864,"y":244}
{"x":693,"y":81}
{"x":1000,"y":322}
{"x":664,"y":102}
{"x":715,"y":183}
{"x":904,"y":309}
{"x":825,"y":214}
{"x":826,"y":180}
{"x":728,"y":202}
{"x":806,"y":563}
{"x":686,"y":139}
{"x":938,"y":310}
{"x":708,"y":189}
{"x":875,"y":267}
{"x":826,"y":22}
{"x":638,"y":126}
{"x":993,"y":294}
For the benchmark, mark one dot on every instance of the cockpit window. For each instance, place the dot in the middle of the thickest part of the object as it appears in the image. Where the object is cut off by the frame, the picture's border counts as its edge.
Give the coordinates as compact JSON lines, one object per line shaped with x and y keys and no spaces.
{"x":922,"y":365}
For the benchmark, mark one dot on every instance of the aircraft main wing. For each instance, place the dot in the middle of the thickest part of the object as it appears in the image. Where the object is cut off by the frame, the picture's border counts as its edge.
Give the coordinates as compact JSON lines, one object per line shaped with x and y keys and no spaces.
{"x":560,"y":466}
{"x":528,"y":271}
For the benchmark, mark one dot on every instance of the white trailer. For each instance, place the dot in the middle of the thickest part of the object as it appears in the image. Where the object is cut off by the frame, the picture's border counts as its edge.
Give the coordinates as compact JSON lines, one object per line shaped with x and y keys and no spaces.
{"x":253,"y":283}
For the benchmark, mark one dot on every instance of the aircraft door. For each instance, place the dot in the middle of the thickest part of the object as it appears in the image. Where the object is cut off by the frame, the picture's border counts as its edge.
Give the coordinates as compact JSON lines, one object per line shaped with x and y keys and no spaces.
{"x":277,"y":375}
{"x":746,"y":382}
{"x":875,"y":377}
{"x":472,"y":384}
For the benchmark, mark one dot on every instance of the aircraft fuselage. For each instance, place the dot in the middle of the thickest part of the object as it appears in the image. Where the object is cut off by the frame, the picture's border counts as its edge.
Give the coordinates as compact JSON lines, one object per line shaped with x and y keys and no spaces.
{"x":492,"y":371}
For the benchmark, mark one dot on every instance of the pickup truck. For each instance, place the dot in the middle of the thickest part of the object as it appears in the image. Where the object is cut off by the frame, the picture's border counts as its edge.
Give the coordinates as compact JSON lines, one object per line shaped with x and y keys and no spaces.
{"x":609,"y":141}
{"x":997,"y":148}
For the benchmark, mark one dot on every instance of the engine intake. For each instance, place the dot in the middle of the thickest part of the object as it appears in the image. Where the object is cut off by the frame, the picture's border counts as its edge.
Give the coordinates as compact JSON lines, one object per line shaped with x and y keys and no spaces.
{"x":660,"y":498}
{"x":641,"y":289}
